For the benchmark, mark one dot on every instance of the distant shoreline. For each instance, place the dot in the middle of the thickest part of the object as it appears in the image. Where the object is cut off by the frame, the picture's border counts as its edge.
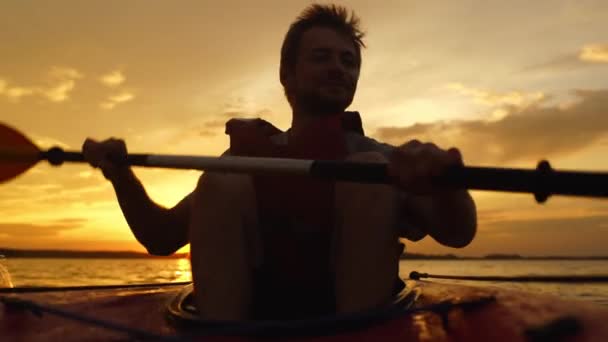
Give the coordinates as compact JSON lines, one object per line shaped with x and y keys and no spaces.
{"x":415,"y":256}
{"x":75,"y":254}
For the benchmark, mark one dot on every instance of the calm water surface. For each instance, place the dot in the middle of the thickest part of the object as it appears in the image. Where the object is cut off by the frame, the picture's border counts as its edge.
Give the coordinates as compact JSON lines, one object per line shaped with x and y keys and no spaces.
{"x":71,"y":272}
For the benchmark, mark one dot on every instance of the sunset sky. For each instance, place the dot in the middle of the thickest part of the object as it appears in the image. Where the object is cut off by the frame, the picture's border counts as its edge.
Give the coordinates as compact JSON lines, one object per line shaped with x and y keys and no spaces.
{"x":508,"y":82}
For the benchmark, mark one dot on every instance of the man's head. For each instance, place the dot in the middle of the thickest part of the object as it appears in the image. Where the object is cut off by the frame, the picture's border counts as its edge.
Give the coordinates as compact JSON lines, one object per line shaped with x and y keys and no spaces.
{"x":321,"y":59}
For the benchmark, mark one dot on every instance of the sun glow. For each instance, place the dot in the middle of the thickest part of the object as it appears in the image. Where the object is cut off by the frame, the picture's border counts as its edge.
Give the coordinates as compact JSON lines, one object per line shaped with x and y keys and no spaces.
{"x":168,"y":86}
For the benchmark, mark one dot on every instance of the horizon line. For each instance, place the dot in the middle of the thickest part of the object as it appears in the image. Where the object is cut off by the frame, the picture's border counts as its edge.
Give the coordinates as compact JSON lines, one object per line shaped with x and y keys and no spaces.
{"x":22,"y":252}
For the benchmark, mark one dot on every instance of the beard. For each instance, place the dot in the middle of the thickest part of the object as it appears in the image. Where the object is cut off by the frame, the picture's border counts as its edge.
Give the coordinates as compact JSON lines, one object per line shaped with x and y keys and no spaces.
{"x":320,"y":105}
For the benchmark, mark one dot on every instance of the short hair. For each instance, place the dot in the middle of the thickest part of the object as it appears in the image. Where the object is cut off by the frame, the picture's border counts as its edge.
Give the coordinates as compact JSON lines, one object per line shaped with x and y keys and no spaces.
{"x":330,"y":16}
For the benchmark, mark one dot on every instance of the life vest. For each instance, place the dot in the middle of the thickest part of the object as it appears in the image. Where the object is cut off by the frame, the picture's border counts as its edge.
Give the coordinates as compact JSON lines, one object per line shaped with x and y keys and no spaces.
{"x":296,"y":217}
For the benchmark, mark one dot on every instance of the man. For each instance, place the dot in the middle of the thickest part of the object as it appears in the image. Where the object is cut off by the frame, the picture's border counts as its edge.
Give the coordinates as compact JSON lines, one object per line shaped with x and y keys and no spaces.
{"x":247,"y":232}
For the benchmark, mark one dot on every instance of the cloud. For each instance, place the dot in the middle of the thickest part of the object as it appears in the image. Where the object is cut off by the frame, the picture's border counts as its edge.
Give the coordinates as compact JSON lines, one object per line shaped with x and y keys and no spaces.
{"x":29,"y":230}
{"x":264,"y":113}
{"x":239,"y":113}
{"x":207,"y":129}
{"x":588,"y":55}
{"x":531,"y":236}
{"x":206,"y":126}
{"x":112,"y":79}
{"x":544,"y":237}
{"x":243,"y":107}
{"x":594,"y":53}
{"x":47,"y":142}
{"x":489,"y":98}
{"x":16,"y":93}
{"x":580,"y":224}
{"x":60,"y":92}
{"x":525,"y":133}
{"x":564,"y":226}
{"x":122,"y":97}
{"x":38,"y":194}
{"x":64,"y":73}
{"x":214,"y":124}
{"x":116,"y":99}
{"x":215,"y":127}
{"x":61,"y":81}
{"x":211,"y":128}
{"x":64,"y":81}
{"x":107,"y":105}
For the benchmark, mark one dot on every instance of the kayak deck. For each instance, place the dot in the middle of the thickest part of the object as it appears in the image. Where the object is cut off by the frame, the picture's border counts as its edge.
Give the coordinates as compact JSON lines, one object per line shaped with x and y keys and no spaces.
{"x":512,"y":316}
{"x":143,"y":309}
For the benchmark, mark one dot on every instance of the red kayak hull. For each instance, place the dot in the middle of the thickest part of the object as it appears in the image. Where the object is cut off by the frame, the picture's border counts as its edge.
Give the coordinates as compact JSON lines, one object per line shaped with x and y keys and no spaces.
{"x":506,"y":319}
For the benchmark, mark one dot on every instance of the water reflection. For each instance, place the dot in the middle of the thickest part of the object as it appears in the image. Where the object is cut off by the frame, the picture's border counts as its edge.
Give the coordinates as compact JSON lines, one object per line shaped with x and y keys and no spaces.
{"x":76,"y":272}
{"x":5,"y":278}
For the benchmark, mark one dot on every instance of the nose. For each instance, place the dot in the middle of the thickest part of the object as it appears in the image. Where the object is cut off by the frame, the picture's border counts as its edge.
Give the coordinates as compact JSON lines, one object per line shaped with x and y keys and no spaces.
{"x":339,"y":61}
{"x":336,"y":66}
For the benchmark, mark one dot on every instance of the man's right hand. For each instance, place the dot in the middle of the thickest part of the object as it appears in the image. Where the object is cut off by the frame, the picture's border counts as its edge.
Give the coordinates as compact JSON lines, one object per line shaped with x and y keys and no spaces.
{"x":104,"y":155}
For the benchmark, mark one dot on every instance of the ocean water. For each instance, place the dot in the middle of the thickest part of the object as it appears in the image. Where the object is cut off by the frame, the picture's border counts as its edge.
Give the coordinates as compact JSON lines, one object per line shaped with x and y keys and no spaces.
{"x":595,"y":292}
{"x":73,"y":272}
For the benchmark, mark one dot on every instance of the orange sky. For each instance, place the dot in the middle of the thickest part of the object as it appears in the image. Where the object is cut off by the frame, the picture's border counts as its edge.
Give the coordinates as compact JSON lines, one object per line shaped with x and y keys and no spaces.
{"x":509,"y":83}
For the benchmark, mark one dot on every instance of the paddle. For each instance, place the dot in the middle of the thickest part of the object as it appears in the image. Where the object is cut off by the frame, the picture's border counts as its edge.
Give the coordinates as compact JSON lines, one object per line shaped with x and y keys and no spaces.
{"x":18,"y":154}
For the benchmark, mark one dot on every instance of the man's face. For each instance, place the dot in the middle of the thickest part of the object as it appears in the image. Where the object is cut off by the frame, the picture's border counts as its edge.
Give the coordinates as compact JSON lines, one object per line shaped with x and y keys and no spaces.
{"x":325,"y":76}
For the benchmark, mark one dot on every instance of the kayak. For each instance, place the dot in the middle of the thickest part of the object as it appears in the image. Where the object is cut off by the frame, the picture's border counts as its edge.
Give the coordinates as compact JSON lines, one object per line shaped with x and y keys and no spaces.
{"x":423,"y":311}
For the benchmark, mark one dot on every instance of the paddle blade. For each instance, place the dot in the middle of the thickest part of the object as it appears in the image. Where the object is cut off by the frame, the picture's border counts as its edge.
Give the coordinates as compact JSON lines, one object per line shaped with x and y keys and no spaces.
{"x":17,"y":153}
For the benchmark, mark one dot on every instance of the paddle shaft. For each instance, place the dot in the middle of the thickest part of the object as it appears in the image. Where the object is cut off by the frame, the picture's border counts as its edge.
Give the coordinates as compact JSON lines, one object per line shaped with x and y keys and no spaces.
{"x":542,"y":182}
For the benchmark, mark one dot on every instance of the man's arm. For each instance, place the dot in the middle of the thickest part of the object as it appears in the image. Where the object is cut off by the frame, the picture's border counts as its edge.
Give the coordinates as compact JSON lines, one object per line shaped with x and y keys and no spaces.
{"x":162,"y":231}
{"x":449,"y":217}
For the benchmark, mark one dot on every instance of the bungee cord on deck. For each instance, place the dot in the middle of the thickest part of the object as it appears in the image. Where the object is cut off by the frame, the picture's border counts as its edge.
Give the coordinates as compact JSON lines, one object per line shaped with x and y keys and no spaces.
{"x":523,"y":278}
